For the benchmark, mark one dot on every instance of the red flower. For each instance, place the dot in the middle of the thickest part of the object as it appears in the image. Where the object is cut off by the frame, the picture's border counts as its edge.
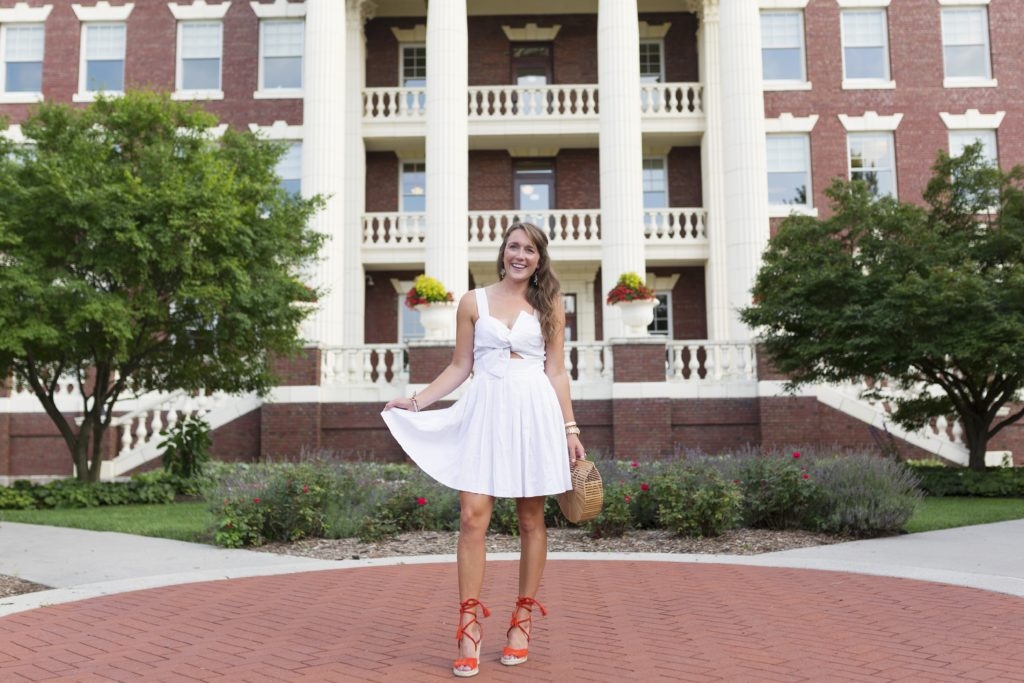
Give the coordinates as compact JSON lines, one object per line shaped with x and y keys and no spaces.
{"x":628,"y":499}
{"x":796,"y":454}
{"x":305,"y":489}
{"x":807,"y":476}
{"x":736,"y":481}
{"x":634,"y":464}
{"x":644,"y":487}
{"x":256,"y":500}
{"x":421,"y":501}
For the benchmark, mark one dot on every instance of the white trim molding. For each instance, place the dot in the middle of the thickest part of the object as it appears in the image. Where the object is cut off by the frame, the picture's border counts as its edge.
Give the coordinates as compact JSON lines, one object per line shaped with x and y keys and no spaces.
{"x":279,"y":130}
{"x":782,"y":4}
{"x":972,"y":119}
{"x":961,"y":3}
{"x":22,"y":13}
{"x":787,"y":123}
{"x":416,"y":34}
{"x":103,"y":11}
{"x":199,"y":10}
{"x":531,"y":32}
{"x":654,"y":31}
{"x":870,"y":122}
{"x":862,"y":4}
{"x":279,"y":9}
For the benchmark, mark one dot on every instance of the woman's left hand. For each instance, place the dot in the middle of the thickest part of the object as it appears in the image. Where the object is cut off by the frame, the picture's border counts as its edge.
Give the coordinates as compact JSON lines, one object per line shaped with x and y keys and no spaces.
{"x":576,"y":450}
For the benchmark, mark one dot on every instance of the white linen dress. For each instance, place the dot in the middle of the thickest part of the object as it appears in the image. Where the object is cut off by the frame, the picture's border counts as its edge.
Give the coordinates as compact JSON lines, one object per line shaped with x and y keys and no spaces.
{"x":505,"y":437}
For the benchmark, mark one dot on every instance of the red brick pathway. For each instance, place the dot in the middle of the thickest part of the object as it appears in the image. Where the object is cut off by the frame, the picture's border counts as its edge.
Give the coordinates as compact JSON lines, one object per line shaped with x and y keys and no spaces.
{"x":610,"y":621}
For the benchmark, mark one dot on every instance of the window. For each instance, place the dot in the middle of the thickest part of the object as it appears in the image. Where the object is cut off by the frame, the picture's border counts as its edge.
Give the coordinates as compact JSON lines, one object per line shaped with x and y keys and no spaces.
{"x":534,"y":187}
{"x":865,"y":46}
{"x":650,"y":62}
{"x":103,"y":58}
{"x":872,"y":159}
{"x":281,"y":49}
{"x":199,"y":55}
{"x":958,"y":139}
{"x":22,"y":50}
{"x":409,"y":326}
{"x":414,"y":187}
{"x":789,"y":170}
{"x":965,"y":48}
{"x":782,"y":46}
{"x":662,"y":323}
{"x":655,"y":184}
{"x":289,"y":169}
{"x":414,"y":66}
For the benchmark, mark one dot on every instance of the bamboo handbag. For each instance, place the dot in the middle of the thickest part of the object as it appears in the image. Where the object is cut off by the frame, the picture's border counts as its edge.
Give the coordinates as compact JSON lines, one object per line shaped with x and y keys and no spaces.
{"x":584,"y":500}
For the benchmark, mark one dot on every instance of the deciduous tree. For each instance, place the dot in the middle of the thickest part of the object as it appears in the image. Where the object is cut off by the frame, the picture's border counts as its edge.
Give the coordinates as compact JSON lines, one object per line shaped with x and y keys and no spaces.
{"x":141,"y":252}
{"x":930,"y":297}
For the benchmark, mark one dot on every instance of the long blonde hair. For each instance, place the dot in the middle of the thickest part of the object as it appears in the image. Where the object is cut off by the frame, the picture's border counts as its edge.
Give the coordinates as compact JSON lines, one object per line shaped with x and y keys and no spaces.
{"x":544,"y":295}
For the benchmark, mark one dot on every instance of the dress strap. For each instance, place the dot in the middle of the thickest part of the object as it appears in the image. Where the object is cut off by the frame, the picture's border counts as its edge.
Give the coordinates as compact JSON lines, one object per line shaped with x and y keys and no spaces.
{"x":481,"y":302}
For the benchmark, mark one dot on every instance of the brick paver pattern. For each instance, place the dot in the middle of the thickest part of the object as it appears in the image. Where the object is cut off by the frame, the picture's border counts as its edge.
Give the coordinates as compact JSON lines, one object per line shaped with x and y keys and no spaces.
{"x":609,"y":621}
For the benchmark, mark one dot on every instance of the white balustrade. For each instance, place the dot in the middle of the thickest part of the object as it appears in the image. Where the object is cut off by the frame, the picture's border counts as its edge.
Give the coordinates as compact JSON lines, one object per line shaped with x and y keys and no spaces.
{"x":706,"y":361}
{"x":371,"y":364}
{"x":394,"y":228}
{"x":497,"y":102}
{"x":588,"y":362}
{"x":142,"y":426}
{"x":579,"y":226}
{"x":394,"y":104}
{"x":663,"y":226}
{"x":671,"y":99}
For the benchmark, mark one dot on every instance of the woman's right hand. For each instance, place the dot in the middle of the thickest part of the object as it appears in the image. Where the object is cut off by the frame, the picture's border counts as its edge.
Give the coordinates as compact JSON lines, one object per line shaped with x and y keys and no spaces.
{"x":401,"y":402}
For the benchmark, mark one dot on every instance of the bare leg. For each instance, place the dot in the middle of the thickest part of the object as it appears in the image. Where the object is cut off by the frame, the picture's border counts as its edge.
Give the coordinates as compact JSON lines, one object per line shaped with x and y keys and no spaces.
{"x":533,"y":535}
{"x":473,"y":522}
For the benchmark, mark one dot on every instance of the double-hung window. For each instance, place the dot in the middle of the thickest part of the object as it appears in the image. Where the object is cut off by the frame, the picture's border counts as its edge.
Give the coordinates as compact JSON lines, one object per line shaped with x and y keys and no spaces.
{"x":282,"y":43}
{"x":865,"y":36}
{"x":21,"y":46}
{"x":103,"y":49}
{"x":782,"y":49}
{"x":289,"y":169}
{"x":652,"y":72}
{"x":22,"y":38}
{"x":414,"y":75}
{"x":414,"y":187}
{"x":958,"y":139}
{"x":789,"y":170}
{"x":965,"y":47}
{"x":661,"y":325}
{"x":655,"y":193}
{"x":872,"y":158}
{"x":200,"y":50}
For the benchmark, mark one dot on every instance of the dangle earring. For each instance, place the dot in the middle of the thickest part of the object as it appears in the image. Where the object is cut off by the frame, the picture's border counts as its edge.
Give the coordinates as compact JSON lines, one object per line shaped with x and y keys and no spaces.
{"x":501,"y":274}
{"x":533,"y":280}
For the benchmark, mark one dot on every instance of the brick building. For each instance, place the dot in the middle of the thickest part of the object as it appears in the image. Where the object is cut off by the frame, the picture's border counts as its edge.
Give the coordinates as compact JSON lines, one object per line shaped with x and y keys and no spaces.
{"x":664,"y":137}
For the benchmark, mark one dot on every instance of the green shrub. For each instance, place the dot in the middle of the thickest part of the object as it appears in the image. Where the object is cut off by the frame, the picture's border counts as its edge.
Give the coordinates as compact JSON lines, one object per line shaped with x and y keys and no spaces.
{"x":616,"y":516}
{"x":697,"y":501}
{"x":186,"y":447}
{"x":778,"y":493}
{"x":938,"y":479}
{"x":504,"y":518}
{"x":864,"y":495}
{"x":15,"y":499}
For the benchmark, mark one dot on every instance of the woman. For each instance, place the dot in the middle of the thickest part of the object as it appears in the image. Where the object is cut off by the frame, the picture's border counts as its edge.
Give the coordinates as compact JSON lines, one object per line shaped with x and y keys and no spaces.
{"x":508,"y":436}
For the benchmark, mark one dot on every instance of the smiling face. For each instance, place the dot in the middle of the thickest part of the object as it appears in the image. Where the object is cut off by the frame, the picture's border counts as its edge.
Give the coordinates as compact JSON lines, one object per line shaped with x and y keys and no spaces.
{"x":520,"y":257}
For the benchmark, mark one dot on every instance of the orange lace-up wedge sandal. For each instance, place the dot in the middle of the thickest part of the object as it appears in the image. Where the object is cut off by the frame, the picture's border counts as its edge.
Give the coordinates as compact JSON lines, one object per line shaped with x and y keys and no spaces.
{"x":465,"y":667}
{"x":511,"y":656}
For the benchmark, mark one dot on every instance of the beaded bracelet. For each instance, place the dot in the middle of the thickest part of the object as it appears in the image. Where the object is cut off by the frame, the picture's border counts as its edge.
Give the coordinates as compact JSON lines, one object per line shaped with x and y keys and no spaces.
{"x":572,"y":429}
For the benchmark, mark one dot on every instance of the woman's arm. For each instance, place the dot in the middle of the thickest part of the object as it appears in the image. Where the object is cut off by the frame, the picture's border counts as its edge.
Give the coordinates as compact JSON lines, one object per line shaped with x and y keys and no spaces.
{"x":554,"y":368}
{"x":457,"y":370}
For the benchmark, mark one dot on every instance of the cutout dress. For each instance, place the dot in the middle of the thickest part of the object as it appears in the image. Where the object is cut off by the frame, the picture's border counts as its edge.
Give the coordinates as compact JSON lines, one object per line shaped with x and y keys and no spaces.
{"x":505,"y":436}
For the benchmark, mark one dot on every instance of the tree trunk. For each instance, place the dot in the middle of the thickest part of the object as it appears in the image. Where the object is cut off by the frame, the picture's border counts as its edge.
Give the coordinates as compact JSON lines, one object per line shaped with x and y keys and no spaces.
{"x":976,"y":437}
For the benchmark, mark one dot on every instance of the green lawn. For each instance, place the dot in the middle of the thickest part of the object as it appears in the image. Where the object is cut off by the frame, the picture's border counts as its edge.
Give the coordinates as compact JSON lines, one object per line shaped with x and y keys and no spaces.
{"x":179,"y":521}
{"x":193,"y":521}
{"x":946,"y":513}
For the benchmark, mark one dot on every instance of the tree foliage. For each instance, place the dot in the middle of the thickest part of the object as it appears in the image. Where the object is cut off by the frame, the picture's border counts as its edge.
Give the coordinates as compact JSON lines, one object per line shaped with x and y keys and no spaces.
{"x":930,"y":297}
{"x":141,"y":252}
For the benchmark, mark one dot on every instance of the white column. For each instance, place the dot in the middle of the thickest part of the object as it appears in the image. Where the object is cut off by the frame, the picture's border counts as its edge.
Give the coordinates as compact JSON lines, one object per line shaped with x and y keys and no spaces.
{"x":323,"y":154}
{"x":716,"y":272}
{"x":354,"y":278}
{"x":744,"y":159}
{"x":621,"y":149}
{"x":447,"y":146}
